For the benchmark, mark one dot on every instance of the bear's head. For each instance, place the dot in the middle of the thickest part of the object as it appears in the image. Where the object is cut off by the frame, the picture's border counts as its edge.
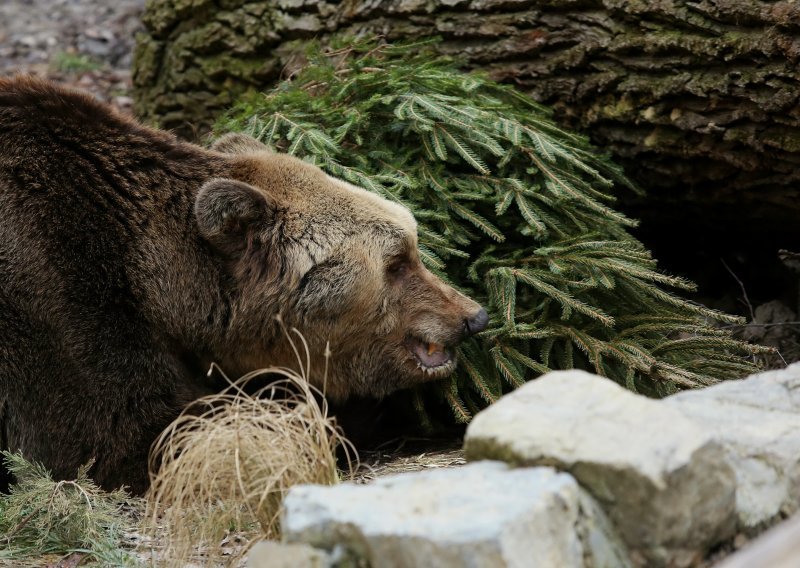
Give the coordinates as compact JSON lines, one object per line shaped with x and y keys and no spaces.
{"x":337,"y":263}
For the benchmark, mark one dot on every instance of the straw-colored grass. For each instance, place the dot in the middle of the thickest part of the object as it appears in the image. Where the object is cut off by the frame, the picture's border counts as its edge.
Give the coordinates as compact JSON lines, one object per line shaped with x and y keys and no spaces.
{"x":223,"y":467}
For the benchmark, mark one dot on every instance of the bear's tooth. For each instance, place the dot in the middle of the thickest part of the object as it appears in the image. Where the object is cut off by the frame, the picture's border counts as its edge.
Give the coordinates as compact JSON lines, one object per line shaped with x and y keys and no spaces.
{"x":435,"y":348}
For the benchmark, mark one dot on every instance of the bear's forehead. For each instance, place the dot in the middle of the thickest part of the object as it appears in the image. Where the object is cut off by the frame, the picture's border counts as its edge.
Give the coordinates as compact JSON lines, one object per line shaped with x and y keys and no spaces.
{"x":384,"y":212}
{"x":308,"y":188}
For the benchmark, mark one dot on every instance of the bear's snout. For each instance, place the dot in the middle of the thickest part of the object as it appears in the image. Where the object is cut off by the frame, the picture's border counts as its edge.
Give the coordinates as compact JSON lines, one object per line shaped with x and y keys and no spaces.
{"x":476,"y":323}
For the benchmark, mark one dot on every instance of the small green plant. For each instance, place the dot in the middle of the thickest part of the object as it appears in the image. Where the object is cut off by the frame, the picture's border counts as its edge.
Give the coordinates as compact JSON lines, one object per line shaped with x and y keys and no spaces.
{"x":74,"y":63}
{"x":43,"y":517}
{"x":512,"y":210}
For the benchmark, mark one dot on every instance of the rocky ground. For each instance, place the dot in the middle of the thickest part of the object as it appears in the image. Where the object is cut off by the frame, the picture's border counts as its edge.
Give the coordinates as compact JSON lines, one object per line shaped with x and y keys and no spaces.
{"x":85,"y":43}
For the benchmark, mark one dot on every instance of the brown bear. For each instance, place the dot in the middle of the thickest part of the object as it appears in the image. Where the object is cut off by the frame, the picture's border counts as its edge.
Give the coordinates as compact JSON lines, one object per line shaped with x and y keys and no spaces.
{"x":131,"y":260}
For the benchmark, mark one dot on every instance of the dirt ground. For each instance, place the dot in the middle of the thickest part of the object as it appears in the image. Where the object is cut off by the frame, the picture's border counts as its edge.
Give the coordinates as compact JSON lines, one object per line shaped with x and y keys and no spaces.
{"x":84,"y":43}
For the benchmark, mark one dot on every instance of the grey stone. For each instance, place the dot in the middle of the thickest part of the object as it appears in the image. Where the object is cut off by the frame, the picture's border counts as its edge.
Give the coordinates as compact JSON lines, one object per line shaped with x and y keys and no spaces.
{"x":95,"y":47}
{"x":662,"y":478}
{"x":480,"y":515}
{"x":772,"y":326}
{"x":271,"y":554}
{"x":757,"y":421}
{"x":602,"y":547}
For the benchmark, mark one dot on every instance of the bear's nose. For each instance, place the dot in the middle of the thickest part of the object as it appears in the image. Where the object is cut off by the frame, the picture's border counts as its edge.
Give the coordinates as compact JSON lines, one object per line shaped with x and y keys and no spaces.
{"x":477,"y":323}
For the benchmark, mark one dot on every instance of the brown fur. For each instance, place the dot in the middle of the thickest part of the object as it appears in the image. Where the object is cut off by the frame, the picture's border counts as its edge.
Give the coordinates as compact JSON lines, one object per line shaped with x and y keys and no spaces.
{"x":129,"y":261}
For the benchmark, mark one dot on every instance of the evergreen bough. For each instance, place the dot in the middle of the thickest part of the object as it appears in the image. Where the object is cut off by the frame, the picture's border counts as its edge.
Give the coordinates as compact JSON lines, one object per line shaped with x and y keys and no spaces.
{"x":42,"y":517}
{"x":512,"y":210}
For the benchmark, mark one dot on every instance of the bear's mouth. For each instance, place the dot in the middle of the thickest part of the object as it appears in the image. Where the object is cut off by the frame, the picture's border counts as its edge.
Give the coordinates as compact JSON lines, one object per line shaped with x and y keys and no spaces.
{"x":431,"y":356}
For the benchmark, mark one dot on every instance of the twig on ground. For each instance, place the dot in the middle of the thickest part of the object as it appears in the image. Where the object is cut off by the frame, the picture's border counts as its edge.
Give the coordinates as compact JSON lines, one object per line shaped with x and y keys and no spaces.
{"x":741,"y":286}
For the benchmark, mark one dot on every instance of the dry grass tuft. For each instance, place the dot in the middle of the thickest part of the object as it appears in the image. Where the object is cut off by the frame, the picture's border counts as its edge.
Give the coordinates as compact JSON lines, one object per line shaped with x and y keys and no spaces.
{"x":222,"y":468}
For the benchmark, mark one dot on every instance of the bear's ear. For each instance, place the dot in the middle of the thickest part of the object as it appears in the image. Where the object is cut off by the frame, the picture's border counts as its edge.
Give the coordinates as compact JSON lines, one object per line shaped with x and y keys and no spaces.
{"x":237,"y":143}
{"x":231,"y":213}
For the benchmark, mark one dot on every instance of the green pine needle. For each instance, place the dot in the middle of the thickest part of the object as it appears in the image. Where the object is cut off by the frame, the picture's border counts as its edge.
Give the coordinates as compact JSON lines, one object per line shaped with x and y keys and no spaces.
{"x":42,"y":517}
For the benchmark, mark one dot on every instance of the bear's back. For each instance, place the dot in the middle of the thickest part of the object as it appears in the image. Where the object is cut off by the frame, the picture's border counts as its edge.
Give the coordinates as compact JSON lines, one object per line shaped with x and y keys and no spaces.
{"x":67,"y":145}
{"x":80,"y":186}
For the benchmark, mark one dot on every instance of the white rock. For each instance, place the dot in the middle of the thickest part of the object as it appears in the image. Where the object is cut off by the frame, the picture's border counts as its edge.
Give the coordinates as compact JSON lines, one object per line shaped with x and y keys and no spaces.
{"x":481,"y":515}
{"x":662,"y":479}
{"x":757,"y":421}
{"x":777,"y":548}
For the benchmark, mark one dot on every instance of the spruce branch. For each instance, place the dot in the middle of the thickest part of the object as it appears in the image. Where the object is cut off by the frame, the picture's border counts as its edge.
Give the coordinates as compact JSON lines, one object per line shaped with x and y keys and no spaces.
{"x":42,"y":516}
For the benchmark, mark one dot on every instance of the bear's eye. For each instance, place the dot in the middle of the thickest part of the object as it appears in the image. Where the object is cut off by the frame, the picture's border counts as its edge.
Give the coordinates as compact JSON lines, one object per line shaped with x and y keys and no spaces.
{"x":397,"y":267}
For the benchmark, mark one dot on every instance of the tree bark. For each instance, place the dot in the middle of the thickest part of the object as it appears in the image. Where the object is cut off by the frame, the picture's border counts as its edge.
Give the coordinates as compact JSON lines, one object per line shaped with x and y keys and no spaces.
{"x":697,"y":99}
